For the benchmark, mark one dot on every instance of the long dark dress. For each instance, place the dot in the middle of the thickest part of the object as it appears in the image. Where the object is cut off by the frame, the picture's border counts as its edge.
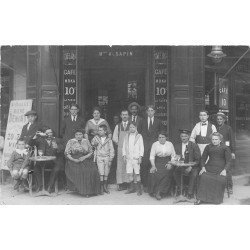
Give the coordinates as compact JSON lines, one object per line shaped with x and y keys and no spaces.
{"x":82,"y":176}
{"x":160,"y":181}
{"x":211,"y":185}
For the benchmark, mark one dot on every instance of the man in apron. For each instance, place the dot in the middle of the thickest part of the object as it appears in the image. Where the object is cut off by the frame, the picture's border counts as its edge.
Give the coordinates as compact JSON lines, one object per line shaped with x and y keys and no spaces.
{"x":229,"y":140}
{"x":121,"y":130}
{"x":202,"y":131}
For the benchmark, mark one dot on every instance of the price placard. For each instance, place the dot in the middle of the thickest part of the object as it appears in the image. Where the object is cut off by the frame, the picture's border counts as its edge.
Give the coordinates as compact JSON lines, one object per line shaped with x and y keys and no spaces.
{"x":161,"y":84}
{"x":16,"y":121}
{"x":69,"y":76}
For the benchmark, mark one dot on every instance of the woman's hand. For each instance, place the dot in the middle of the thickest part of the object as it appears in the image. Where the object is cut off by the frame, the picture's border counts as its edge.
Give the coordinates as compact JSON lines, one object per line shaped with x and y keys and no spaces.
{"x":153,"y":170}
{"x":233,"y":156}
{"x":203,"y":170}
{"x":168,"y":166}
{"x":223,"y":172}
{"x":82,"y":158}
{"x":20,"y":171}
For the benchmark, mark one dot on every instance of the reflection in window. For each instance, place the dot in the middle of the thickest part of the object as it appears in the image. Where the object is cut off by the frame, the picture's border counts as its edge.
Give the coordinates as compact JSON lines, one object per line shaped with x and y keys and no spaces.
{"x":132,"y":90}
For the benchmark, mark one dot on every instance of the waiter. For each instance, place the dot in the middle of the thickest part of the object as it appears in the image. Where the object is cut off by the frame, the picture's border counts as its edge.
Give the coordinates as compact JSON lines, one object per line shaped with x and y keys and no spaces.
{"x":190,"y":149}
{"x":202,"y":131}
{"x":229,"y":140}
{"x":29,"y":130}
{"x":134,"y":109}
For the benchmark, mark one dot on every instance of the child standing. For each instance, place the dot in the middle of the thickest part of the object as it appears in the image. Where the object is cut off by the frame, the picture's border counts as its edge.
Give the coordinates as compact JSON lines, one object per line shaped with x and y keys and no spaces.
{"x":18,"y":165}
{"x":104,"y":155}
{"x":132,"y":151}
{"x":202,"y":131}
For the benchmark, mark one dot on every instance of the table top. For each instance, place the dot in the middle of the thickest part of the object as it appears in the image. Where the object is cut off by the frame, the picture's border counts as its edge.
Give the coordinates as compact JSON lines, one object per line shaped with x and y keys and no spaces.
{"x":182,"y":164}
{"x":43,"y":158}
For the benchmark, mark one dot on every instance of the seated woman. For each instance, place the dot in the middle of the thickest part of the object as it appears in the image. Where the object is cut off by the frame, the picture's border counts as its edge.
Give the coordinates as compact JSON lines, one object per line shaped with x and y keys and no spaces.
{"x":81,"y":172}
{"x":92,"y":125}
{"x":212,"y":181}
{"x":161,"y":172}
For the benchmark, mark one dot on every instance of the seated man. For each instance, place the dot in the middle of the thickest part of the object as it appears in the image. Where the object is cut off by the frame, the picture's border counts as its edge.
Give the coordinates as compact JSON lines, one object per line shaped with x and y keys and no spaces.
{"x":191,"y":151}
{"x":50,"y":146}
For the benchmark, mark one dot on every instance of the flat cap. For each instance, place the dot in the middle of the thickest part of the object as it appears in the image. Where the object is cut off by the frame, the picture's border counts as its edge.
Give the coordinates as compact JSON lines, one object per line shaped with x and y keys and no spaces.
{"x":222,"y":115}
{"x":185,"y":131}
{"x":31,"y":112}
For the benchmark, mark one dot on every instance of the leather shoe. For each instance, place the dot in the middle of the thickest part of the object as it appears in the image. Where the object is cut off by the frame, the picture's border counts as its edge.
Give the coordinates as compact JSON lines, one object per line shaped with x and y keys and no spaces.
{"x":158,"y":196}
{"x":197,"y":202}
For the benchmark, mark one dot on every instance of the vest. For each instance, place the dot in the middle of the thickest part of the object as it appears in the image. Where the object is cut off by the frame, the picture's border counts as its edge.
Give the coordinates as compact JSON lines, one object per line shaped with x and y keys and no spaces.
{"x":205,"y":139}
{"x":120,"y":128}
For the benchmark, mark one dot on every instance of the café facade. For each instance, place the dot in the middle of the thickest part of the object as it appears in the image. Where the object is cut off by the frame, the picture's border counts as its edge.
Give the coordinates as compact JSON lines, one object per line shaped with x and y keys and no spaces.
{"x":178,"y":80}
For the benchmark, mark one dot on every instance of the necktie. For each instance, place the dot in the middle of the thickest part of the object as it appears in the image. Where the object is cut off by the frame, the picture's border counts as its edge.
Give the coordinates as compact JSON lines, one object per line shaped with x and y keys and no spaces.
{"x":124,"y":125}
{"x":150,"y":124}
{"x":28,"y":127}
{"x":133,"y":118}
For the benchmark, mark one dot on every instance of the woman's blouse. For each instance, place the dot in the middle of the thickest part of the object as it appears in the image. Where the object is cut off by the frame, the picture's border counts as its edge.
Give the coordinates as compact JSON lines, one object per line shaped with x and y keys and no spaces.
{"x":74,"y":146}
{"x":92,"y":126}
{"x":162,"y":150}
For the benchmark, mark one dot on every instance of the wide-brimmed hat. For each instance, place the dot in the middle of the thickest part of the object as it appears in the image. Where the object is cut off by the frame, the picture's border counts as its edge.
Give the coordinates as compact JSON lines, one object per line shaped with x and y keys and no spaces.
{"x":222,"y":115}
{"x":134,"y":104}
{"x":31,"y":112}
{"x":185,"y":131}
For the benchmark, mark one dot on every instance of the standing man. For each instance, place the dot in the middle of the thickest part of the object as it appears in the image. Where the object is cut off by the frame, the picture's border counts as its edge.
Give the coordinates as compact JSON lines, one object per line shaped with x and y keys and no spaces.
{"x":29,"y":130}
{"x":121,"y":130}
{"x":192,"y":151}
{"x":150,"y":128}
{"x":134,"y":109}
{"x":202,"y":131}
{"x":229,"y":140}
{"x":72,"y":122}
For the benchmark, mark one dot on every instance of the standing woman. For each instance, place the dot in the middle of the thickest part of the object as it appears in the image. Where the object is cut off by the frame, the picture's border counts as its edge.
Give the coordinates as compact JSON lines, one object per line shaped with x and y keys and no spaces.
{"x":160,"y":175}
{"x":92,"y":125}
{"x":81,"y":172}
{"x":212,"y":182}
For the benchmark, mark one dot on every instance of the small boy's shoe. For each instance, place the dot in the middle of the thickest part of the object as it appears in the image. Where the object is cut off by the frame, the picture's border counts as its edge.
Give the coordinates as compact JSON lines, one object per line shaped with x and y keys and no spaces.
{"x":105,"y":187}
{"x":25,"y":184}
{"x":101,"y":189}
{"x":16,"y":186}
{"x":139,"y":191}
{"x":130,"y":188}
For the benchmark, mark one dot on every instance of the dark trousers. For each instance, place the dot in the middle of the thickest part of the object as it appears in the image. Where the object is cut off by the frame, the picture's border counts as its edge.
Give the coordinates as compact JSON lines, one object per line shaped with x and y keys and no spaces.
{"x":191,"y":178}
{"x":55,"y":167}
{"x":145,"y":167}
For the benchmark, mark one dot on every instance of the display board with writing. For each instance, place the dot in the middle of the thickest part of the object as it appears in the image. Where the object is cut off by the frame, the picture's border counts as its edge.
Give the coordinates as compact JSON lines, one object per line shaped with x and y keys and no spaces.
{"x":223,"y":94}
{"x":160,"y":61}
{"x":16,"y":120}
{"x":69,"y":76}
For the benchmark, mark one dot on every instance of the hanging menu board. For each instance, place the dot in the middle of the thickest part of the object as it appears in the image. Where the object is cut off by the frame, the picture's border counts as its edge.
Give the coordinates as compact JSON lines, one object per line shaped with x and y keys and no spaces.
{"x":223,"y":94}
{"x":161,"y":84}
{"x":69,"y":76}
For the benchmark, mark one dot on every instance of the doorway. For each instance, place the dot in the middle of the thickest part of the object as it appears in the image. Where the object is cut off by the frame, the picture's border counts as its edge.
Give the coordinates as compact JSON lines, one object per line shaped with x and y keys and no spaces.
{"x":113,"y":89}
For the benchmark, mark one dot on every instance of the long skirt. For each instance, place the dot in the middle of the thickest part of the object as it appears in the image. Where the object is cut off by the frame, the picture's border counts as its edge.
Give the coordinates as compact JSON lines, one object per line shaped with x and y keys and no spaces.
{"x":211,"y":188}
{"x":83,"y":177}
{"x":160,"y":181}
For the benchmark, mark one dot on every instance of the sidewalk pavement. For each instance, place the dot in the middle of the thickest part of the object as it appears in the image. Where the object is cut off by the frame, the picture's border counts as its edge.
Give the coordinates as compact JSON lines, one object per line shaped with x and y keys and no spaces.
{"x":8,"y":196}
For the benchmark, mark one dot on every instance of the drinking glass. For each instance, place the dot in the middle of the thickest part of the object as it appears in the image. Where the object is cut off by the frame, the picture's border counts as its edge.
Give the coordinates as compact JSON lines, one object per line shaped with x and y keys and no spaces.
{"x":40,"y":152}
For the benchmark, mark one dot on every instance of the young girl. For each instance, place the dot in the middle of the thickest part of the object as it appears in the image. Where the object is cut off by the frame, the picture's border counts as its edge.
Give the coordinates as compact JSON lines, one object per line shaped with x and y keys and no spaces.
{"x":132,"y":151}
{"x":18,"y":165}
{"x":104,"y":155}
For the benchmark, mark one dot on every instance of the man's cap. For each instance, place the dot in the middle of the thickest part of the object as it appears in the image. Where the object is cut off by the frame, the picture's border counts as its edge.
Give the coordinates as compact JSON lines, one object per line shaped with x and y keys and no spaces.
{"x":31,"y":112}
{"x":134,"y":104}
{"x":184,"y":131}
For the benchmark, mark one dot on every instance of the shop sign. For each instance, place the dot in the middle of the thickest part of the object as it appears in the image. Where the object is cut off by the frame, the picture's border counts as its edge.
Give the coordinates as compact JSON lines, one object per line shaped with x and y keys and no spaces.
{"x":161,"y":84}
{"x":69,"y":77}
{"x":16,"y":121}
{"x":223,"y":94}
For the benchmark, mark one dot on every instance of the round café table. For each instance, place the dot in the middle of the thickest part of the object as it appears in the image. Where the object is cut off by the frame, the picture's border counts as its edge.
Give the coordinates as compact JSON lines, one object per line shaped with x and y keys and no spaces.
{"x":43,"y":160}
{"x":183,"y":166}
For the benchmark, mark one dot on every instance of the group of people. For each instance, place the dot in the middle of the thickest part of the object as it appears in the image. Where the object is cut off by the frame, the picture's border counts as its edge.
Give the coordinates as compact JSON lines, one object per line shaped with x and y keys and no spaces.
{"x":139,"y":149}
